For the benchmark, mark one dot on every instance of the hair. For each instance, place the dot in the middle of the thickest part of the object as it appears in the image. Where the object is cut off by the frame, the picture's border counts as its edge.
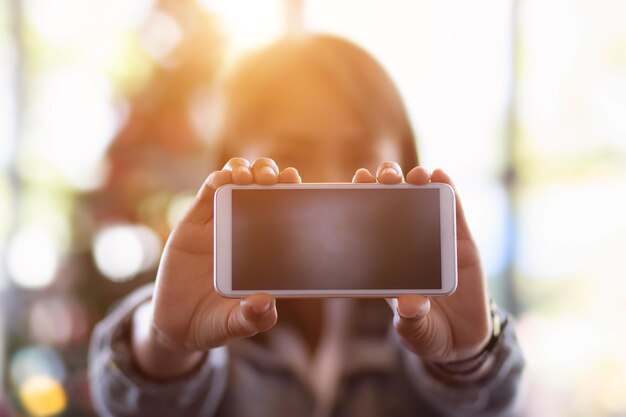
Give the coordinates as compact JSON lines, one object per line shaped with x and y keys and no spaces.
{"x":258,"y":81}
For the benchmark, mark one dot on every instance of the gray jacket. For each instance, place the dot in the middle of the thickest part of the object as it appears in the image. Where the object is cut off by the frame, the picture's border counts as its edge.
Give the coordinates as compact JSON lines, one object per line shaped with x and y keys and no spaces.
{"x":371,"y":375}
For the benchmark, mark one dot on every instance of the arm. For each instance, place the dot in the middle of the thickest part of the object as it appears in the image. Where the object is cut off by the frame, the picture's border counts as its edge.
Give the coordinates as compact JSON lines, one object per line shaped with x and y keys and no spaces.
{"x":435,"y":332}
{"x":186,"y":316}
{"x":150,"y":356}
{"x":119,"y":388}
{"x":489,"y":391}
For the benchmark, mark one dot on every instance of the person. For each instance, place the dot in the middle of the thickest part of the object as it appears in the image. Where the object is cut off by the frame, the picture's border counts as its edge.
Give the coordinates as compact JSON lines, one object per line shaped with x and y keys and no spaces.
{"x":314,"y":108}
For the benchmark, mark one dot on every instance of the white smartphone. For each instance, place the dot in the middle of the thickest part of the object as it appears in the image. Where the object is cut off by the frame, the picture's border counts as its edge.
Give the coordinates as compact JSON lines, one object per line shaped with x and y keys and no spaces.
{"x":335,"y":240}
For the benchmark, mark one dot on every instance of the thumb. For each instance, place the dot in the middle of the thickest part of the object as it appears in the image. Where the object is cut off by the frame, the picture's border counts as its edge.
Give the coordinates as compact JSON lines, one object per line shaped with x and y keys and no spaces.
{"x":255,"y":313}
{"x":411,"y":307}
{"x":412,"y":322}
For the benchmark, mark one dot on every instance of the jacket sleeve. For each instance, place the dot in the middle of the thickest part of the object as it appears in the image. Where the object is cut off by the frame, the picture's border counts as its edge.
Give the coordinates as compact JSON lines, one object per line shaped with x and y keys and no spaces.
{"x":118,"y":387}
{"x":492,"y":395}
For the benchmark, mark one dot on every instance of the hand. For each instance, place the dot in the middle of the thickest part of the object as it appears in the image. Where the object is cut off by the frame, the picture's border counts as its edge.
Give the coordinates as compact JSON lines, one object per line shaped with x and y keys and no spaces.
{"x":441,"y":329}
{"x":186,"y":317}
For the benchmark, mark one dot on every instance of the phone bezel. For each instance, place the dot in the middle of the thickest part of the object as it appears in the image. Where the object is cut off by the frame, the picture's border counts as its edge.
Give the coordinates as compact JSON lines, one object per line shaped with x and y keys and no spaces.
{"x":222,"y":246}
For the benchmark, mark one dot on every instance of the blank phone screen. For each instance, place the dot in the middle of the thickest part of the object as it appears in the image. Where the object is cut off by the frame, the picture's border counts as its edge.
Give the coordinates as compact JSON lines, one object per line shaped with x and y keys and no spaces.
{"x":336,"y":239}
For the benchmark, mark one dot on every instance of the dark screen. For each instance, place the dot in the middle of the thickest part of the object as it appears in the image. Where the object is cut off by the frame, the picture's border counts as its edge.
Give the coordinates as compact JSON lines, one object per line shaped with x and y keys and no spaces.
{"x":316,"y":239}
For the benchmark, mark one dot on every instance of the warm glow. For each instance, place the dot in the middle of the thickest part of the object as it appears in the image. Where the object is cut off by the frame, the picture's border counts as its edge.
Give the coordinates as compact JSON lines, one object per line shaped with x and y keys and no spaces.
{"x":248,"y":24}
{"x":99,"y":101}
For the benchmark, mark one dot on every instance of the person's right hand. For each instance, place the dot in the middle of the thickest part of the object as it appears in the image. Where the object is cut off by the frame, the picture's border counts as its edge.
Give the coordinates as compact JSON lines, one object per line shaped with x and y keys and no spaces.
{"x":186,"y":316}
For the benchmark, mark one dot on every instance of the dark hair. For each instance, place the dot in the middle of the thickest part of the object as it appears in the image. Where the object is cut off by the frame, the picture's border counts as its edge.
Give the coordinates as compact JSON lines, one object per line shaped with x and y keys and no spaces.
{"x":255,"y":85}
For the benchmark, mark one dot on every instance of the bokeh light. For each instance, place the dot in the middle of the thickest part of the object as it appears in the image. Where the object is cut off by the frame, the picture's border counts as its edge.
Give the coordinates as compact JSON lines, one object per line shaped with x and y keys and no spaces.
{"x":72,"y":145}
{"x":160,"y":35}
{"x":32,"y":257}
{"x":100,"y":102}
{"x":177,"y":207}
{"x":58,"y":321}
{"x":36,"y":360}
{"x":42,"y":396}
{"x":123,"y":251}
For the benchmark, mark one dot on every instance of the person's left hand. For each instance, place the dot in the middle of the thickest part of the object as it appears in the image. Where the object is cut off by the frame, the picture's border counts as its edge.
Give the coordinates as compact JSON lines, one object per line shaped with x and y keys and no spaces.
{"x":441,"y":329}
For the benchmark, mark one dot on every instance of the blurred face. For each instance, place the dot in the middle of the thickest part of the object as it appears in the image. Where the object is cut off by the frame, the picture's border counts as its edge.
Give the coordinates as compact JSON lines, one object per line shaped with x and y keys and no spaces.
{"x":314,"y":130}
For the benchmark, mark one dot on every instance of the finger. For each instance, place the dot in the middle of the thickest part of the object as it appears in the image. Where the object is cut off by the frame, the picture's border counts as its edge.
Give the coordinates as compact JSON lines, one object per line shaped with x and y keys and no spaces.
{"x":411,"y":322}
{"x":265,"y":171}
{"x":413,"y":306}
{"x":200,"y":210}
{"x":289,"y":175}
{"x":418,"y":176}
{"x":363,"y":175}
{"x":255,"y":313}
{"x":389,"y":173}
{"x":240,"y":168}
{"x":462,"y":228}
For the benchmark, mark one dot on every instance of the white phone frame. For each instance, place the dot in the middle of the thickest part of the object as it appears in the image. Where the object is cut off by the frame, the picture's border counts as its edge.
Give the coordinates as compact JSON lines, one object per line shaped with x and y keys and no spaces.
{"x":222,"y":259}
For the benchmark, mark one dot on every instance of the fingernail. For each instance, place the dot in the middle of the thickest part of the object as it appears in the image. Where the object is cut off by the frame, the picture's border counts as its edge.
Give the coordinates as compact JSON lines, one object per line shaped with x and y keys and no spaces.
{"x":261,"y":308}
{"x":389,"y":170}
{"x":244,"y":170}
{"x":266,"y":170}
{"x":410,"y":314}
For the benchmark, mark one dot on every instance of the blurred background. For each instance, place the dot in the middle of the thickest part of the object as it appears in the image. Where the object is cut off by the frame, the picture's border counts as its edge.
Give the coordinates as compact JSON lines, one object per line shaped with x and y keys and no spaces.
{"x":104,"y":120}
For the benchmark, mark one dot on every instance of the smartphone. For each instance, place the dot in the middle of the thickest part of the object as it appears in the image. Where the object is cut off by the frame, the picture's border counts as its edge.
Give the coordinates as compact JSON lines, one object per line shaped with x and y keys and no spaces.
{"x":335,"y":240}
